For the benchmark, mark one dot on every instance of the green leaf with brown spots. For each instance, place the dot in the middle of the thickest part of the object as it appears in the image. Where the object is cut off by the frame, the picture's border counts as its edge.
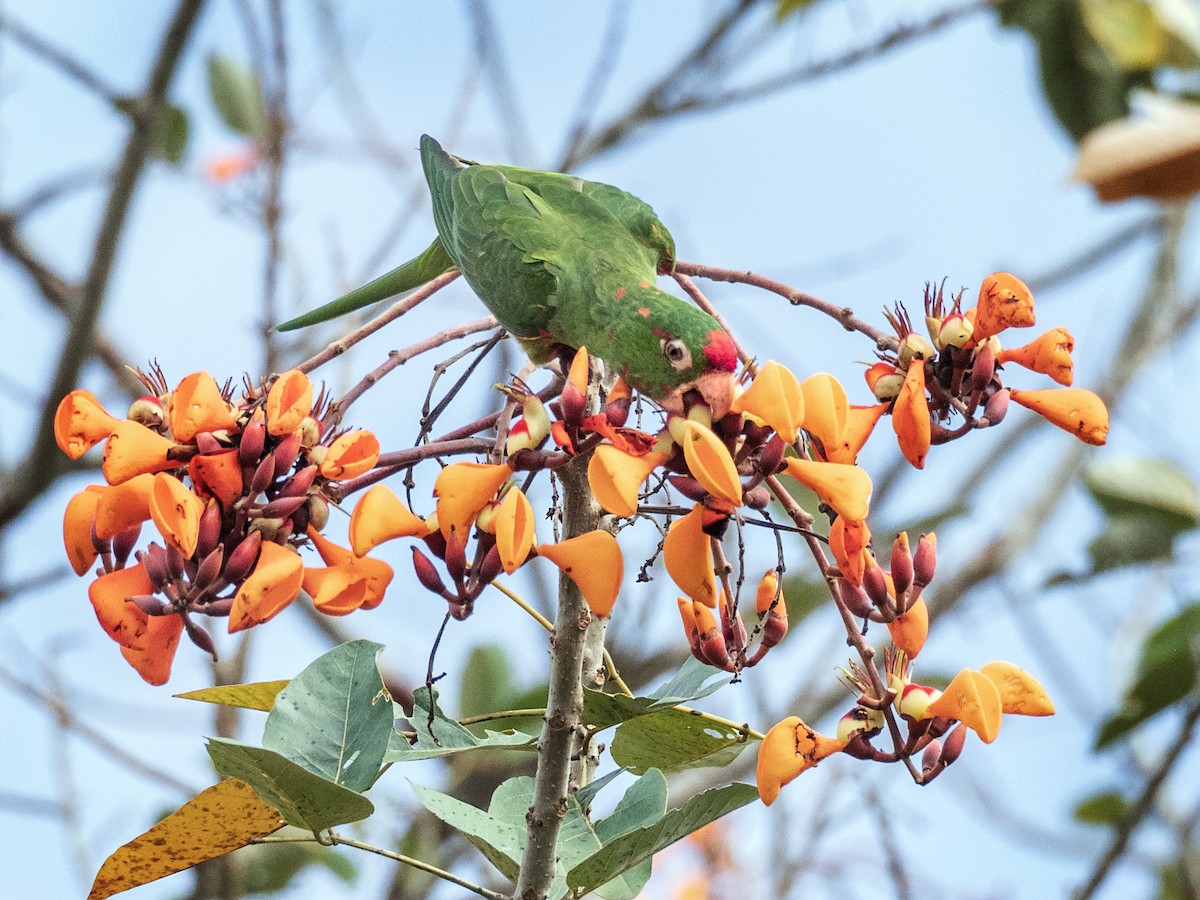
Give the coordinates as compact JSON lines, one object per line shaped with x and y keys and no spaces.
{"x":216,"y":821}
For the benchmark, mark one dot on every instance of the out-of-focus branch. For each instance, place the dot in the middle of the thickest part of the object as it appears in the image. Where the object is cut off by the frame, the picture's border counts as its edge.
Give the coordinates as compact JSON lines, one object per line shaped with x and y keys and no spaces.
{"x":59,"y":59}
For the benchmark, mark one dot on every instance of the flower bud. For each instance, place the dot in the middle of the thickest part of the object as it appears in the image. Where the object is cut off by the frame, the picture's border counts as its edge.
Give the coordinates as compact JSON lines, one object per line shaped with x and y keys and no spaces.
{"x":176,"y":564}
{"x":427,"y":574}
{"x":206,"y":442}
{"x":924,"y":561}
{"x":770,"y":460}
{"x":855,"y":598}
{"x":955,"y":331}
{"x":124,"y":542}
{"x":952,"y":744}
{"x":490,"y":567}
{"x":902,"y":565}
{"x":758,"y":497}
{"x":208,"y":535}
{"x":154,"y":564}
{"x":984,"y":366}
{"x":149,"y":604}
{"x":456,"y":558}
{"x":616,"y":410}
{"x":688,"y":486}
{"x":254,"y":436}
{"x":281,"y":508}
{"x":573,"y":404}
{"x":997,"y":407}
{"x":286,"y":453}
{"x":712,"y":644}
{"x":914,"y":699}
{"x":931,"y":760}
{"x":298,"y":484}
{"x":218,"y":607}
{"x":241,"y":561}
{"x":263,"y":475}
{"x":200,"y":637}
{"x":915,"y":347}
{"x":318,"y":513}
{"x":209,"y":569}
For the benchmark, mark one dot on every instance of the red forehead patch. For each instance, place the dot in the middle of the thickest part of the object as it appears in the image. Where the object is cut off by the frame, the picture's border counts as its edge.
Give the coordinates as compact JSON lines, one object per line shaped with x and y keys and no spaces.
{"x":720,"y":350}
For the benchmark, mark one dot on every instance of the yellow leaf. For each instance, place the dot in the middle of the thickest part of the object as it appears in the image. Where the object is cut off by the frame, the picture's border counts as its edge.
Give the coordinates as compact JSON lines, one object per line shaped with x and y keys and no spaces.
{"x":216,"y":821}
{"x":258,"y":695}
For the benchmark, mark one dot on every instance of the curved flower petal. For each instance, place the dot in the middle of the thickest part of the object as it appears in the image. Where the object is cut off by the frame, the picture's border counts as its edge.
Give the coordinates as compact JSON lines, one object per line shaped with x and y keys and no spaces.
{"x":123,"y":506}
{"x":289,"y":402}
{"x":133,"y":449}
{"x":710,"y":463}
{"x":846,"y":489}
{"x":825,"y":408}
{"x":352,"y":454}
{"x":860,"y":423}
{"x":274,"y":583}
{"x":514,"y":530}
{"x":848,"y":541}
{"x":1049,"y":354}
{"x":462,"y":490}
{"x":910,"y":628}
{"x":788,"y":749}
{"x":1004,"y":302}
{"x":217,"y":475}
{"x":910,"y":417}
{"x":687,"y":554}
{"x":77,"y":527}
{"x":1072,"y":409}
{"x":594,"y":562}
{"x":380,"y":516}
{"x":153,"y":661}
{"x":973,"y":699}
{"x":378,"y":574}
{"x":124,"y":622}
{"x":176,"y":511}
{"x":775,"y":397}
{"x":616,"y":478}
{"x":81,"y":422}
{"x":196,"y":406}
{"x":1020,"y":693}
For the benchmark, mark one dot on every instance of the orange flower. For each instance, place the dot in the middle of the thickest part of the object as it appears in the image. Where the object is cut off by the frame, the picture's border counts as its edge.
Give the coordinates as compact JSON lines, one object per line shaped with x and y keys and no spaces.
{"x":375,"y":574}
{"x":274,"y":583}
{"x":228,"y":166}
{"x":1072,"y":409}
{"x":124,"y":622}
{"x":123,"y":506}
{"x":77,"y":527}
{"x":197,"y":405}
{"x":910,"y":628}
{"x":176,"y":511}
{"x":514,"y":529}
{"x":352,"y":454}
{"x":1004,"y":302}
{"x":687,"y":554}
{"x":848,"y":542}
{"x":1020,"y":692}
{"x":153,"y":661}
{"x":81,"y":422}
{"x":594,"y":562}
{"x":380,"y":516}
{"x":846,"y":489}
{"x":825,"y":409}
{"x":973,"y":699}
{"x":775,"y":397}
{"x":462,"y":490}
{"x":133,"y":449}
{"x":289,"y":402}
{"x":710,"y":463}
{"x":1050,"y":355}
{"x":616,"y":478}
{"x":910,"y":416}
{"x":860,"y":422}
{"x":217,"y":475}
{"x":788,"y":749}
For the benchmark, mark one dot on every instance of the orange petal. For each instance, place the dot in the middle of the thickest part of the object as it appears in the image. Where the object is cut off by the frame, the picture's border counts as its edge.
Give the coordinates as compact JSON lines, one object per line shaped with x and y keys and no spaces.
{"x":1020,"y":693}
{"x":909,"y":629}
{"x":81,"y":422}
{"x":825,"y":408}
{"x":124,"y":622}
{"x":354,"y":453}
{"x":774,"y":396}
{"x":153,"y":661}
{"x":616,"y":478}
{"x":377,"y":573}
{"x":176,"y":511}
{"x":687,"y":612}
{"x":768,"y":593}
{"x":462,"y":490}
{"x":1049,"y":354}
{"x":848,"y":541}
{"x":77,"y":527}
{"x":910,"y":416}
{"x":973,"y":699}
{"x":289,"y":402}
{"x":217,"y":475}
{"x":514,"y":530}
{"x":197,"y":405}
{"x":1072,"y":409}
{"x":846,"y":489}
{"x":593,"y":561}
{"x":860,"y":422}
{"x":687,"y":554}
{"x":123,"y":506}
{"x":380,"y":516}
{"x":710,"y":463}
{"x":133,"y":449}
{"x":788,"y":749}
{"x":1004,"y":302}
{"x":274,"y":583}
{"x":577,"y":374}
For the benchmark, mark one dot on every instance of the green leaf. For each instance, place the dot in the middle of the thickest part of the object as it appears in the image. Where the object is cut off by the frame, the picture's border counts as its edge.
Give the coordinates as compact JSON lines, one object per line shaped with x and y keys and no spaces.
{"x":693,"y":681}
{"x":1137,"y":34}
{"x":633,"y":848}
{"x":501,"y":842}
{"x":673,"y":740}
{"x":487,"y":683}
{"x":303,"y":798}
{"x":1129,"y":540}
{"x":447,"y":736}
{"x":171,"y":132}
{"x":237,"y":96}
{"x":259,"y":695}
{"x":1166,"y":673}
{"x":641,"y":806}
{"x":1101,"y":809}
{"x":1152,"y":488}
{"x":335,"y":717}
{"x":784,"y":8}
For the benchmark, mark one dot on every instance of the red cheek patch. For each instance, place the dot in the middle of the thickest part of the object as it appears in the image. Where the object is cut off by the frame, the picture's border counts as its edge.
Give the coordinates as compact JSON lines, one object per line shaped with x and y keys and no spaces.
{"x":720,"y":351}
{"x":643,"y":284}
{"x":645,"y":311}
{"x":621,"y":292}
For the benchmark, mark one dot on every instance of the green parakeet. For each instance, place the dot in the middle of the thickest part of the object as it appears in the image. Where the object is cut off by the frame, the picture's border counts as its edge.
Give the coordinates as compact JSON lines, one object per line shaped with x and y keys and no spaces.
{"x":563,"y":263}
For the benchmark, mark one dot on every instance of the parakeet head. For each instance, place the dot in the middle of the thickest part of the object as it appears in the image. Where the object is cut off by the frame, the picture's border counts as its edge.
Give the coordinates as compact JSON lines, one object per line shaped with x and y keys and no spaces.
{"x":671,"y":351}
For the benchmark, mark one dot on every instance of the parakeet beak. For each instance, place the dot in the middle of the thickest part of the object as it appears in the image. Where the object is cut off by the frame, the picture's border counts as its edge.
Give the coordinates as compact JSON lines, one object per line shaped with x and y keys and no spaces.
{"x":714,"y":389}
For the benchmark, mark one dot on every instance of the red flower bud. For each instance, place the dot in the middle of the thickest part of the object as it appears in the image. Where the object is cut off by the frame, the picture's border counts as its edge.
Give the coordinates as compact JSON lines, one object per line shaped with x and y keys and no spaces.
{"x":489,"y":568}
{"x":771,"y":459}
{"x":208,"y":535}
{"x":286,"y":452}
{"x":984,"y":366}
{"x":241,"y":561}
{"x":206,"y":443}
{"x":176,"y":564}
{"x":902,"y":565}
{"x":875,"y":584}
{"x":931,"y":761}
{"x":427,"y":574}
{"x":456,"y":558}
{"x":997,"y":407}
{"x":758,"y":497}
{"x":924,"y":561}
{"x":263,"y":475}
{"x":298,"y":484}
{"x":200,"y":637}
{"x":209,"y":569}
{"x":124,"y":542}
{"x":254,"y":437}
{"x":952,"y":744}
{"x":855,"y":598}
{"x":149,"y":604}
{"x":281,"y":508}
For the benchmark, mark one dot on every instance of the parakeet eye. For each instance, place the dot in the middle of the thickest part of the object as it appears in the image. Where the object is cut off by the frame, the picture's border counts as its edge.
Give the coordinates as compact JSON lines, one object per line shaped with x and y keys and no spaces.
{"x":677,"y":354}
